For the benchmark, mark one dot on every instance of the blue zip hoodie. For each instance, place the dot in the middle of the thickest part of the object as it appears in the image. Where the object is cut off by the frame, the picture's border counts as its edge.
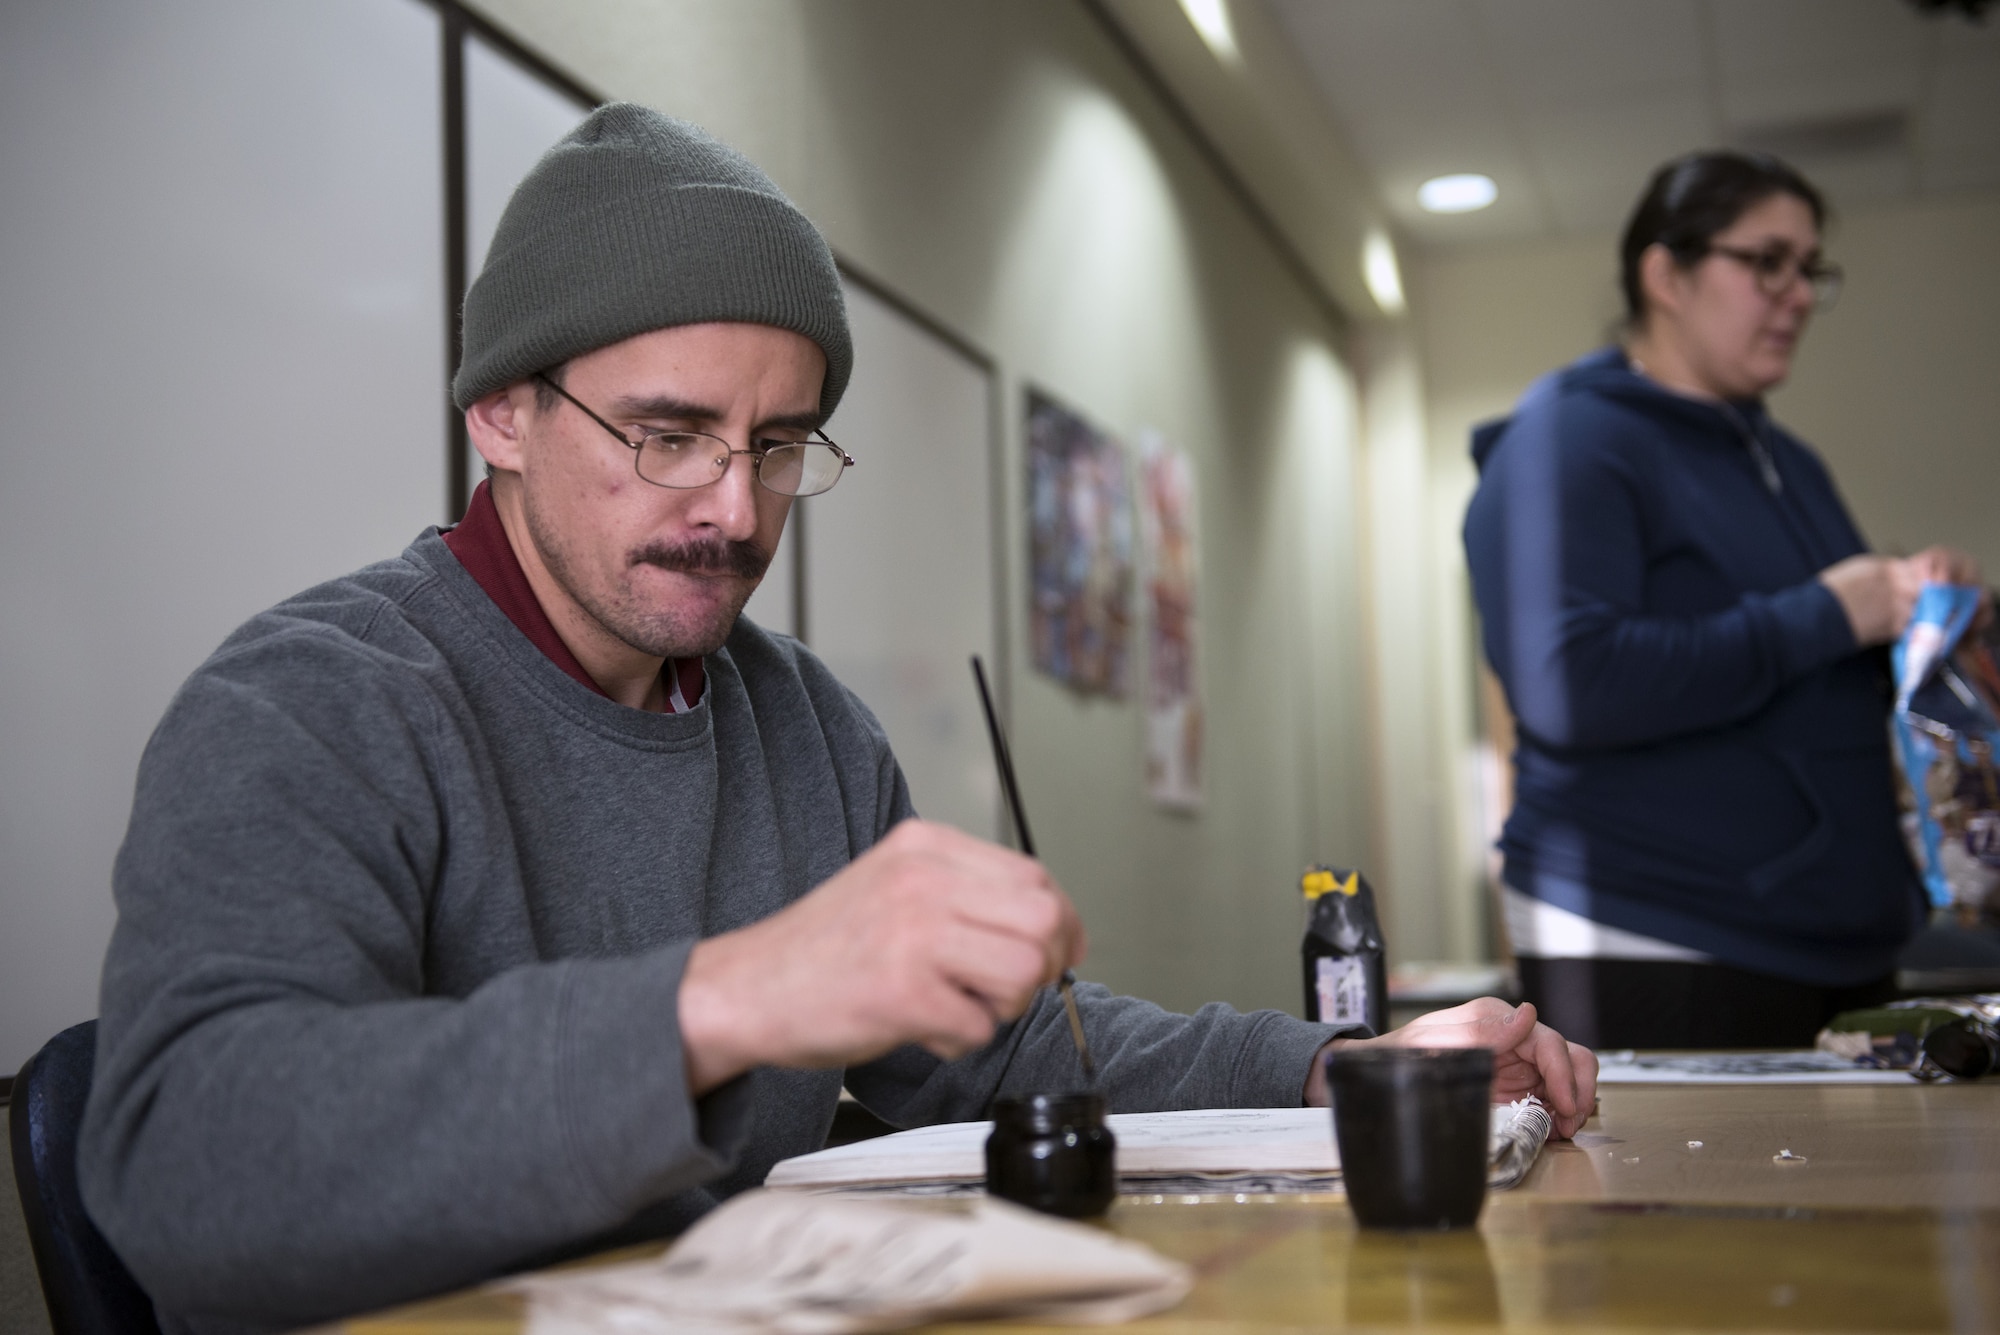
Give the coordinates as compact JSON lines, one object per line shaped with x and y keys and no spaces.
{"x":1703,"y":754}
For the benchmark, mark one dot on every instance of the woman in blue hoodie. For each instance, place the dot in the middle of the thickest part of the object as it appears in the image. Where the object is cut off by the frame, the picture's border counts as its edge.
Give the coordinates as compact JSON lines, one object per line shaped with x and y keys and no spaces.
{"x":1704,"y":850}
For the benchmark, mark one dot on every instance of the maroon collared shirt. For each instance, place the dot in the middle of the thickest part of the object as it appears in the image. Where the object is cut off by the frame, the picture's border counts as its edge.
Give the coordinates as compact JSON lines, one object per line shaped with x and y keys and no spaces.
{"x":480,"y":544}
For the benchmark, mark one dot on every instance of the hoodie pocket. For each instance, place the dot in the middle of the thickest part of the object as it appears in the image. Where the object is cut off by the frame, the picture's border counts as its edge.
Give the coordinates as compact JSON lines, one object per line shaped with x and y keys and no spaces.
{"x":1768,"y":876}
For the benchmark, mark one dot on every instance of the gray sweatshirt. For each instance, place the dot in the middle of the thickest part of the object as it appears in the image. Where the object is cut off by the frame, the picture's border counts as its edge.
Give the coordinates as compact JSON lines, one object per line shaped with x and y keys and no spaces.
{"x":402,"y":915}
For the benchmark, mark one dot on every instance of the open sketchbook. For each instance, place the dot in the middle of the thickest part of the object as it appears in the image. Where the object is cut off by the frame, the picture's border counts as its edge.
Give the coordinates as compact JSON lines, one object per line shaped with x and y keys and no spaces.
{"x":1739,"y":1068}
{"x":1221,"y":1150}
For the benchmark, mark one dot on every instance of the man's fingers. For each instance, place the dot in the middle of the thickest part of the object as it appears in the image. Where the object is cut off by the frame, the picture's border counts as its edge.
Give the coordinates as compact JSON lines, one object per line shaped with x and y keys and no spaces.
{"x":1562,"y":1074}
{"x":954,"y":876}
{"x":957,"y":1023}
{"x":1549,"y":1055}
{"x":932,"y":937}
{"x":1001,"y":971}
{"x":1037,"y":913}
{"x":1041,"y":919}
{"x":1528,"y":1056}
{"x":1583,"y":1062}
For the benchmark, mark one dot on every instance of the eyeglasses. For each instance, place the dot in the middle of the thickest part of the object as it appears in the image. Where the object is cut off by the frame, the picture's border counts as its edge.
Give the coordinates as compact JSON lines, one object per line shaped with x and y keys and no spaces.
{"x":685,"y":460}
{"x":1777,"y":269}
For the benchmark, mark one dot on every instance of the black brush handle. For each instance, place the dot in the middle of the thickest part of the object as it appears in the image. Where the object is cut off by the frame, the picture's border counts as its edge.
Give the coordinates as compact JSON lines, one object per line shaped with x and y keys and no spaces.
{"x":1003,"y":760}
{"x":1013,"y":792}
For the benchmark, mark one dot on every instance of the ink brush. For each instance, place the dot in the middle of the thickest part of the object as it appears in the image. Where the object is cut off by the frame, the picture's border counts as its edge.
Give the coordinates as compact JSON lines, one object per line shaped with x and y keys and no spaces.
{"x":1004,"y":762}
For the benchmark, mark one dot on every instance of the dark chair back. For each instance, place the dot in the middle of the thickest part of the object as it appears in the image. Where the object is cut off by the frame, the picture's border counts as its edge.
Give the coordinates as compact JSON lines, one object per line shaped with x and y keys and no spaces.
{"x":87,"y":1288}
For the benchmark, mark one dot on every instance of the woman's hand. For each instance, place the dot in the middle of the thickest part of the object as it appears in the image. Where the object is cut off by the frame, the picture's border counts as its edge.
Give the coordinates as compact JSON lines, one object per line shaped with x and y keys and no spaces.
{"x":1528,"y":1057}
{"x":1878,"y":593}
{"x":1948,"y":565}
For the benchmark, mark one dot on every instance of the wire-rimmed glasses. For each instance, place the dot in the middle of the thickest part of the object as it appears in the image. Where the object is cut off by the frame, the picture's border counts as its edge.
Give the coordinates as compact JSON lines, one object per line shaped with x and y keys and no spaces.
{"x":685,"y":460}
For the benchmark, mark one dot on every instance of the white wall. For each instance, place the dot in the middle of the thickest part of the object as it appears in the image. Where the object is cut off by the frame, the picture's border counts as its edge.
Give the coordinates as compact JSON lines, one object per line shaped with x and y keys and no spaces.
{"x":1493,"y":318}
{"x":901,"y":561}
{"x":1001,"y":165}
{"x":1899,"y":385}
{"x":221,"y":353}
{"x":1427,"y":835}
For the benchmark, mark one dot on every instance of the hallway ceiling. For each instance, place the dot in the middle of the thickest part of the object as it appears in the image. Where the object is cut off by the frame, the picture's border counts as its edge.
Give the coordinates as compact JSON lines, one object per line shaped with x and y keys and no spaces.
{"x":1570,"y":104}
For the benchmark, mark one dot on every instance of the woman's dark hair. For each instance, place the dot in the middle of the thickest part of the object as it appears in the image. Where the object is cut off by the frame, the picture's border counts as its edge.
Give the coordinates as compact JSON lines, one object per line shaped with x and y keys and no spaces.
{"x":1694,"y":197}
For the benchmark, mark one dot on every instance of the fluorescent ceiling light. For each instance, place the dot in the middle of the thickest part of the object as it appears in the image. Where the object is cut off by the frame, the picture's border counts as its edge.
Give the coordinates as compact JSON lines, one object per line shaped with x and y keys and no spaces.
{"x":1384,"y":278}
{"x":1457,"y":194}
{"x":1211,"y":19}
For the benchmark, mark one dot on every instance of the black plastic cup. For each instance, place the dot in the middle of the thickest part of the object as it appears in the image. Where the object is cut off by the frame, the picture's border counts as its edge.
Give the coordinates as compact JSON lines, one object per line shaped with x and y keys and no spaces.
{"x":1053,"y":1153}
{"x":1413,"y":1125}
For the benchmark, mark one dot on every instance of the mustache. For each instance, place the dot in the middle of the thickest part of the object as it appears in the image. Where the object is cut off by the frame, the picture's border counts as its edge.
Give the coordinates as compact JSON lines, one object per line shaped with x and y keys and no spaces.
{"x":719,"y":556}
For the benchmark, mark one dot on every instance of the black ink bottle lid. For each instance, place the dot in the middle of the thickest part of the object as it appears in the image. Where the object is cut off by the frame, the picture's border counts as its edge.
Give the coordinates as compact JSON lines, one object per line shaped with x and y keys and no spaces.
{"x":1053,"y":1153}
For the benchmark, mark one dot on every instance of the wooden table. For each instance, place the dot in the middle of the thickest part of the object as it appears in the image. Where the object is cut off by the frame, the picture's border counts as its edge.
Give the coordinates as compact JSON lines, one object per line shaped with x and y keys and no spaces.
{"x":1886,"y":1218}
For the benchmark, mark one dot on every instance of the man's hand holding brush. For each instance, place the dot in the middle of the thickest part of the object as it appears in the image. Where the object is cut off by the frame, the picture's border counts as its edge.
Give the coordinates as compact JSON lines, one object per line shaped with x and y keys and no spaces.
{"x":931,"y":937}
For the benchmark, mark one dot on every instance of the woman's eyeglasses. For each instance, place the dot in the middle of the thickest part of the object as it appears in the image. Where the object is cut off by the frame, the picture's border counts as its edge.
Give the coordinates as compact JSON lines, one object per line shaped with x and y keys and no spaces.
{"x":1777,"y":268}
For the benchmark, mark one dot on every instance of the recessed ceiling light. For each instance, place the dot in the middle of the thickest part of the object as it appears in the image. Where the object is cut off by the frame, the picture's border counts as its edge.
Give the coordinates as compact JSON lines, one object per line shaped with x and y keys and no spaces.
{"x":1211,"y":19}
{"x":1457,"y":194}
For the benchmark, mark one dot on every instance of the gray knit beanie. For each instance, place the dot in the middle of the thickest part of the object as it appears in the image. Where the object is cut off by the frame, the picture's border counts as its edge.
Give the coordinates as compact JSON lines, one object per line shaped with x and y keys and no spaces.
{"x":636,"y":221}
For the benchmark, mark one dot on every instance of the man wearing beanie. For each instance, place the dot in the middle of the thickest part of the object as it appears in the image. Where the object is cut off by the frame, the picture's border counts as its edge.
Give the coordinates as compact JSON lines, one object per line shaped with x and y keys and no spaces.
{"x":513,"y":897}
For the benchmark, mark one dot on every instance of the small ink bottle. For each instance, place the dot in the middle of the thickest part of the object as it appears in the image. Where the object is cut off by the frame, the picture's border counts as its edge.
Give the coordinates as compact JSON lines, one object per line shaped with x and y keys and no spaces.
{"x":1053,"y":1153}
{"x":1347,"y":981}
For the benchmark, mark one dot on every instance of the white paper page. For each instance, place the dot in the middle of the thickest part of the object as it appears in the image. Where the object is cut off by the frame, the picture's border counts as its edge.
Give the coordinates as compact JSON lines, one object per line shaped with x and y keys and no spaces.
{"x":1208,"y":1140}
{"x":1738,"y":1068}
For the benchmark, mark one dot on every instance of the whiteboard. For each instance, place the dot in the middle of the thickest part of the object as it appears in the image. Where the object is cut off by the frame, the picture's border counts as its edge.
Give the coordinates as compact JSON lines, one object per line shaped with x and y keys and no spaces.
{"x":221,"y":352}
{"x":900,"y":567}
{"x":512,"y":117}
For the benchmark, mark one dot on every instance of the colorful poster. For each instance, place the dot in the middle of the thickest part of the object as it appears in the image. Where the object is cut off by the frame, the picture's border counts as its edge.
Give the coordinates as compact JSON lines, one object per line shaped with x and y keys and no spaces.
{"x":1169,"y":537}
{"x":1079,"y":550}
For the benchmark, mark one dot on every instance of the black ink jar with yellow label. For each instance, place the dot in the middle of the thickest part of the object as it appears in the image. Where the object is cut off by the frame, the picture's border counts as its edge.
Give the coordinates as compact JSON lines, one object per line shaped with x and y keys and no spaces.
{"x":1053,"y":1153}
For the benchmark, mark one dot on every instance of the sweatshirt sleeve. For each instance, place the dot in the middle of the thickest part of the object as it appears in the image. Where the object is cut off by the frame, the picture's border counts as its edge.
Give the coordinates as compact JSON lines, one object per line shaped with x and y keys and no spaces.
{"x":1149,"y":1060}
{"x":1555,"y":539}
{"x":285,"y":1126}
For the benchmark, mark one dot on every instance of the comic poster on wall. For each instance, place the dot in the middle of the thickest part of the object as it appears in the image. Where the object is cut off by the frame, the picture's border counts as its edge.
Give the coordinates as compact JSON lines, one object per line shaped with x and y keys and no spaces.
{"x":1169,"y":541}
{"x":1079,"y":550}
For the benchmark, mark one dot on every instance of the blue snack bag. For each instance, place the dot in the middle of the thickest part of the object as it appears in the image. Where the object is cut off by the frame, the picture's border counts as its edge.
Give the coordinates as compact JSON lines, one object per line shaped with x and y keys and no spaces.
{"x":1947,"y":728}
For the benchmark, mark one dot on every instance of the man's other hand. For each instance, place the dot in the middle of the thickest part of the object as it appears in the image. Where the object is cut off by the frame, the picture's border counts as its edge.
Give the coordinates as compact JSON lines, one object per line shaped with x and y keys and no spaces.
{"x":1528,"y":1057}
{"x":931,"y":937}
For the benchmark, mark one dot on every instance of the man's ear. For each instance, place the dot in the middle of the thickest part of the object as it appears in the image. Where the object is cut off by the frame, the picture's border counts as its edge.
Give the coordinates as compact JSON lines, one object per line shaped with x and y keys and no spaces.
{"x":497,"y":423}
